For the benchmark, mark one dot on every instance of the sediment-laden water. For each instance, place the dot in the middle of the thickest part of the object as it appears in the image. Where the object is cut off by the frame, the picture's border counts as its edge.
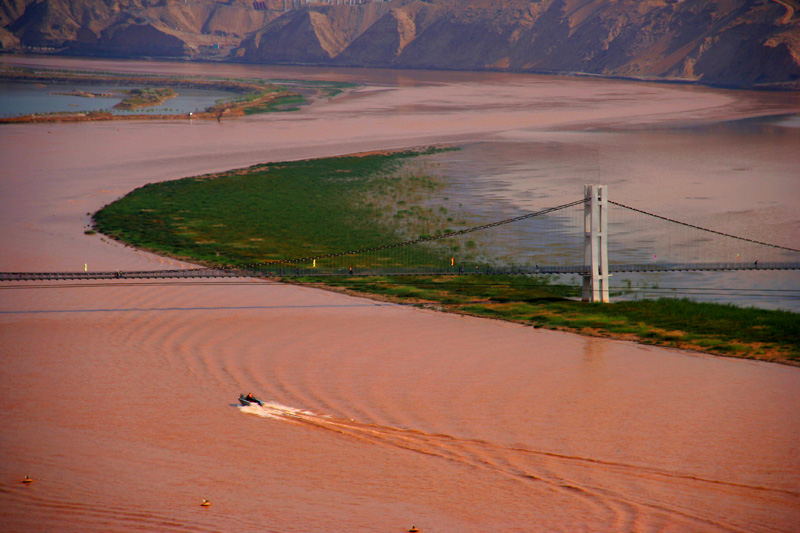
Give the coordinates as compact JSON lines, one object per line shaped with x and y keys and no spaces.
{"x":120,"y":400}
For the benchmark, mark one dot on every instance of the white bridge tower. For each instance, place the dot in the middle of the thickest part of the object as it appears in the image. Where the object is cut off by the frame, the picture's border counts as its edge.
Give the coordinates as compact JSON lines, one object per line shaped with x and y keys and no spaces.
{"x":595,"y":222}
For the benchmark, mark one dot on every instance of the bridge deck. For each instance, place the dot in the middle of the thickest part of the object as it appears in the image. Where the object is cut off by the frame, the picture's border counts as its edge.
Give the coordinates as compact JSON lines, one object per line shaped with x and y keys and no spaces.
{"x":292,"y":272}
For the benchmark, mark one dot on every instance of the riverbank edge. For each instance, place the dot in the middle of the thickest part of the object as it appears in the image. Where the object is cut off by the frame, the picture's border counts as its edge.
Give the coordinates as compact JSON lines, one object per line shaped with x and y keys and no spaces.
{"x":783,"y":86}
{"x":441,"y":307}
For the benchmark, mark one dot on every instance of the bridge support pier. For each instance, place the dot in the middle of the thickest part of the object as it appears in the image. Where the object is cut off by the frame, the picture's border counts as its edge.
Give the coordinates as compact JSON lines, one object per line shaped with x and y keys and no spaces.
{"x":595,"y":220}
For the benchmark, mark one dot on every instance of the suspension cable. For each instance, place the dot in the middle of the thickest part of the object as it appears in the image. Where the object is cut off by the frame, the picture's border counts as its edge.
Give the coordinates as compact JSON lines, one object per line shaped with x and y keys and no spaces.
{"x":427,"y":239}
{"x":703,"y":229}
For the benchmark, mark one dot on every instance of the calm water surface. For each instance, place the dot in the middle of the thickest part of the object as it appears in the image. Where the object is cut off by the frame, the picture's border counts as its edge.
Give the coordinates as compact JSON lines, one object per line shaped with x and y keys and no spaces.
{"x":25,"y":98}
{"x":120,"y":400}
{"x":735,"y":176}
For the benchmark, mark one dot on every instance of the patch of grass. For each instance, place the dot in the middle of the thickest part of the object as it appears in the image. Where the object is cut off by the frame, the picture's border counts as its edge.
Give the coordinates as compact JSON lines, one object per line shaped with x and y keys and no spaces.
{"x":291,"y":102}
{"x":146,"y":97}
{"x":265,"y":213}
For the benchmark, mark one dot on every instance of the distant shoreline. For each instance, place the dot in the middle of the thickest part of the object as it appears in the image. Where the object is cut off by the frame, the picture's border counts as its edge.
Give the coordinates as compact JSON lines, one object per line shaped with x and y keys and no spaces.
{"x":790,"y":86}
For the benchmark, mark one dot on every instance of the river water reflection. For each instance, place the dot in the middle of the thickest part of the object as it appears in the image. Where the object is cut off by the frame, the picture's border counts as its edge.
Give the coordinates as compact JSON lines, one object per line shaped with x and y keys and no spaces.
{"x":381,"y":416}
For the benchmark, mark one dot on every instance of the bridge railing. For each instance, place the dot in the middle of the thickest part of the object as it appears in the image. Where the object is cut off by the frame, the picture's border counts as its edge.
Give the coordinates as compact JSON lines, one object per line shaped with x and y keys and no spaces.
{"x":279,"y":272}
{"x":677,"y":267}
{"x":118,"y":274}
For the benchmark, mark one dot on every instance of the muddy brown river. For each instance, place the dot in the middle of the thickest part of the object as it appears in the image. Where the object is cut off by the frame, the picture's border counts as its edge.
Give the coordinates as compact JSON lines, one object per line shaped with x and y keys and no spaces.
{"x":119,"y":400}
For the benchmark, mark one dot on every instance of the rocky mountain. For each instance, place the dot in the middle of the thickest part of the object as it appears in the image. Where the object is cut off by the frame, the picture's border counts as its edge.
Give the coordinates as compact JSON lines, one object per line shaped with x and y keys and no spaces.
{"x":729,"y":42}
{"x":133,"y":28}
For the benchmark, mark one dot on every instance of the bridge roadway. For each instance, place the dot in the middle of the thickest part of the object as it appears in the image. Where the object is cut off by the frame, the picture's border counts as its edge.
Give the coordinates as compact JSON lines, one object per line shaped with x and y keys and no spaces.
{"x":295,"y":272}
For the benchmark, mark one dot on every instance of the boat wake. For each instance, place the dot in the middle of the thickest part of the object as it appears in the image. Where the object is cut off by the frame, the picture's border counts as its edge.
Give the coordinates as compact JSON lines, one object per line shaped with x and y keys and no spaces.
{"x":619,"y":488}
{"x":278,"y":411}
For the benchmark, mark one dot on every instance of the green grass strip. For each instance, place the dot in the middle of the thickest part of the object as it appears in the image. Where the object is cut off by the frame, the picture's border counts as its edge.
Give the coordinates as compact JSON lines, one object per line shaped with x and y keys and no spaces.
{"x":541,"y":302}
{"x":264,"y":213}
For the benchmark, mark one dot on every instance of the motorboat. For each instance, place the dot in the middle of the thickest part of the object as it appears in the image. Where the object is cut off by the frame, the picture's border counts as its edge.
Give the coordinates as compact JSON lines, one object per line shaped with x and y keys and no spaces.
{"x":249,"y":399}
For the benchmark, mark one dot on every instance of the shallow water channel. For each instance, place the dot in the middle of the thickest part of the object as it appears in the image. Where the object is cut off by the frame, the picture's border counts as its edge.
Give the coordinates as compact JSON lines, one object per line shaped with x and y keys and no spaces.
{"x":24,"y":98}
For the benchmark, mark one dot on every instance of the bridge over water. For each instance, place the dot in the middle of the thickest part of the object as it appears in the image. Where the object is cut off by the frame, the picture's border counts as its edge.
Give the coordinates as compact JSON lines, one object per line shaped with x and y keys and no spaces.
{"x":592,"y":237}
{"x":187,"y":273}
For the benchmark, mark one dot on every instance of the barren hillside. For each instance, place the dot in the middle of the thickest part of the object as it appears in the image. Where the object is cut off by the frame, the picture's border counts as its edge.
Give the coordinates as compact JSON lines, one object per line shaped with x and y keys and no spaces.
{"x":730,"y":42}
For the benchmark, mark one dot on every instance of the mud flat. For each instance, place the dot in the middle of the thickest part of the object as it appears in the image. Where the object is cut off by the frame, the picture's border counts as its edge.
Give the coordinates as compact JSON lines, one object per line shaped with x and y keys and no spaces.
{"x":85,"y":94}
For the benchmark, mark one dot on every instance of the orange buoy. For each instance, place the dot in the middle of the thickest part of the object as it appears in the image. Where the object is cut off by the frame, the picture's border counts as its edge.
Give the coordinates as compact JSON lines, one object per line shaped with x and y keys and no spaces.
{"x":27,"y":480}
{"x":205,"y":503}
{"x":413,"y":529}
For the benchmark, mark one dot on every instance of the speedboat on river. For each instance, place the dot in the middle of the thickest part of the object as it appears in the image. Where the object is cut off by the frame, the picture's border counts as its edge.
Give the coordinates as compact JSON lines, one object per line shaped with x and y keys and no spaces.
{"x":248,"y":399}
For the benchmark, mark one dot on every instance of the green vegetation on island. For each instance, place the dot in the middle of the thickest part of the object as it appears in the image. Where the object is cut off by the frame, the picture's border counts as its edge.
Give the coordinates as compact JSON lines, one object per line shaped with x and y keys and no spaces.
{"x":149,"y":97}
{"x":272,"y":214}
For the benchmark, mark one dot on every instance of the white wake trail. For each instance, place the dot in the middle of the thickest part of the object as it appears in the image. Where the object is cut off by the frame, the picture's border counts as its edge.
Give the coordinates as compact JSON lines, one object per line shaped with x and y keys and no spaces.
{"x":278,"y":411}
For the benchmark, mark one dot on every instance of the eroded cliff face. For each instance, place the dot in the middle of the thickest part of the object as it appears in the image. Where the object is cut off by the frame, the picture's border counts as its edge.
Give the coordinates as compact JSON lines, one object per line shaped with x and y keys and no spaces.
{"x":735,"y":42}
{"x":161,"y":28}
{"x":311,"y":35}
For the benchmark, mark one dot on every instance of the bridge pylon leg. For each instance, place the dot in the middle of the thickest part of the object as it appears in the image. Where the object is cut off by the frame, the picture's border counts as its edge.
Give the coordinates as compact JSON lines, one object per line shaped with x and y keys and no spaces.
{"x":595,"y":219}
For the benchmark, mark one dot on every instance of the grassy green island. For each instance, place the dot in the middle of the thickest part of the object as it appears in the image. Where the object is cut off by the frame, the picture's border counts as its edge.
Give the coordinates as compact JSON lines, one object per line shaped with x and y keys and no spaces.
{"x":137,"y":98}
{"x":281,"y":216}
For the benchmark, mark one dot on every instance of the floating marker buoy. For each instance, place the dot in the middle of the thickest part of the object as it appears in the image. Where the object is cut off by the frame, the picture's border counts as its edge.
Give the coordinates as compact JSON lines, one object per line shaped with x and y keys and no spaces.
{"x":413,"y":529}
{"x":205,"y":503}
{"x":27,"y":480}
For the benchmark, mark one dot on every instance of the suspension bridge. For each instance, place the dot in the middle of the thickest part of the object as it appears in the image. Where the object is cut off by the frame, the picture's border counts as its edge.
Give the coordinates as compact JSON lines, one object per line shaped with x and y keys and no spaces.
{"x":592,"y":237}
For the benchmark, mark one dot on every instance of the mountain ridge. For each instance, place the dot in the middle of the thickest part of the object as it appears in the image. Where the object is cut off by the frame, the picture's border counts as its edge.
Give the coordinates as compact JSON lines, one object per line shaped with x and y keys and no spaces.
{"x":737,"y":43}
